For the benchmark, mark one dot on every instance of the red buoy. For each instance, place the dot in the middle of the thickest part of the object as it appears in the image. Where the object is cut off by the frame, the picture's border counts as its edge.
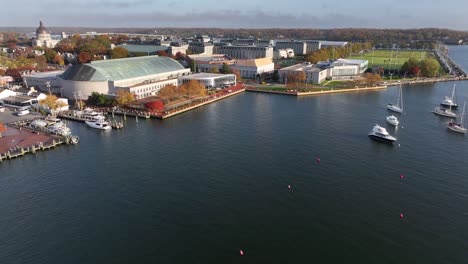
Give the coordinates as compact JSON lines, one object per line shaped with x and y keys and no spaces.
{"x":289,"y":186}
{"x":401,"y":216}
{"x":241,"y":252}
{"x":317,"y":160}
{"x":402,"y":176}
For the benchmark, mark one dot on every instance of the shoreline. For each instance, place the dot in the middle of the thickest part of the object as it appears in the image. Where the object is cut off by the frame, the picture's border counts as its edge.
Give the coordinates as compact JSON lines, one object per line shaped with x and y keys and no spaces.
{"x":330,"y":91}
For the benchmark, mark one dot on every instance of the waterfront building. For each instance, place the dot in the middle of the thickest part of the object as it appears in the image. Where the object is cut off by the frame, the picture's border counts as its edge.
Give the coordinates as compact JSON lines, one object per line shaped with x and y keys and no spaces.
{"x":142,"y":76}
{"x":313,"y":73}
{"x":210,"y":80}
{"x":299,"y":47}
{"x":43,"y":38}
{"x":246,"y":52}
{"x":176,"y":48}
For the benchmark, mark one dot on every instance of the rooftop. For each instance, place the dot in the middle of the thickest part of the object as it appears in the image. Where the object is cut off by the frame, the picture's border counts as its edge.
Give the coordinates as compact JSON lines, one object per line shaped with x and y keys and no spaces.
{"x":255,"y":62}
{"x":49,"y":74}
{"x":121,"y":69}
{"x":143,"y":48}
{"x":303,"y":67}
{"x":204,"y":75}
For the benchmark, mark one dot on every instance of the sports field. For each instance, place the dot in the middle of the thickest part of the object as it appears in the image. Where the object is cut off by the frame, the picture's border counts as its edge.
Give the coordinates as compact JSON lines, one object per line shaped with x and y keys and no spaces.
{"x":390,"y":59}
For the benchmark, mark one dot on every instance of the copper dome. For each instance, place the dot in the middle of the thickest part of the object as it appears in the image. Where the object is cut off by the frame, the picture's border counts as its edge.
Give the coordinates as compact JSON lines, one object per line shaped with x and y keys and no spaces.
{"x":41,"y":29}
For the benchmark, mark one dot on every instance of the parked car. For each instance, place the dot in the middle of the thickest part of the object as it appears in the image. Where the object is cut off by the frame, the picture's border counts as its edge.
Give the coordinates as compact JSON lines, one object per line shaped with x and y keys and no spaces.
{"x":22,"y":112}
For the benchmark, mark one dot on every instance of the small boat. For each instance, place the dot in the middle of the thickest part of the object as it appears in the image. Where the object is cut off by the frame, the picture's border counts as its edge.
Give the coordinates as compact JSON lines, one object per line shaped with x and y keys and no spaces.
{"x":74,"y":140}
{"x":458,"y":126}
{"x":98,"y":124}
{"x":444,"y":112}
{"x":380,"y":134}
{"x":449,"y":102}
{"x":392,"y":120}
{"x":398,"y":107}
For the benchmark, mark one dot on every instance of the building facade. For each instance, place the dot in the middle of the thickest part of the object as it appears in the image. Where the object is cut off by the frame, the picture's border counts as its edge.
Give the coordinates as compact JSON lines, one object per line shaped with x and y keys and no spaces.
{"x":299,"y":47}
{"x":200,"y":48}
{"x":313,"y":73}
{"x":210,"y":80}
{"x":246,"y":52}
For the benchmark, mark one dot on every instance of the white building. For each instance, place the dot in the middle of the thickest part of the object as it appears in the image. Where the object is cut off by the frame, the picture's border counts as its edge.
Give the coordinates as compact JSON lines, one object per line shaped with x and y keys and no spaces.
{"x":43,"y":38}
{"x":142,"y":76}
{"x":211,"y":80}
{"x":283,"y":54}
{"x":247,"y":68}
{"x":313,"y":73}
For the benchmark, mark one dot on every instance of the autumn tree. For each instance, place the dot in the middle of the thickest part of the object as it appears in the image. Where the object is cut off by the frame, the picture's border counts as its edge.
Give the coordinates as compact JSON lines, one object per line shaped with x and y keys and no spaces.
{"x":41,"y":62}
{"x":156,"y":105}
{"x":58,"y":60}
{"x":162,"y":53}
{"x":119,"y":52}
{"x":50,"y":54}
{"x":52,"y":103}
{"x":168,"y":92}
{"x":372,"y":78}
{"x":194,"y":89}
{"x":214,"y":70}
{"x":301,"y":77}
{"x":15,"y":73}
{"x":84,"y":57}
{"x":124,"y":97}
{"x":238,"y":75}
{"x":180,"y":56}
{"x":99,"y":99}
{"x":2,"y":128}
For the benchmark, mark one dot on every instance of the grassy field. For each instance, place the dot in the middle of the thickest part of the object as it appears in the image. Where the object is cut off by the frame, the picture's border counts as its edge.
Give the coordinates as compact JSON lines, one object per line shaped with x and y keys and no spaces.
{"x":390,"y":60}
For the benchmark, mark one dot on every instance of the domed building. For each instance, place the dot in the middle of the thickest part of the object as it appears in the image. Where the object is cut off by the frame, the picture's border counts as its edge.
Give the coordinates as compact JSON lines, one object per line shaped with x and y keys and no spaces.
{"x":43,"y":38}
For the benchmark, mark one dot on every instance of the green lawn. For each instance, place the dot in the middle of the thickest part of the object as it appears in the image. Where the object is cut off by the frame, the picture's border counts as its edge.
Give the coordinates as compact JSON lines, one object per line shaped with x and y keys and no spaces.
{"x":388,"y":59}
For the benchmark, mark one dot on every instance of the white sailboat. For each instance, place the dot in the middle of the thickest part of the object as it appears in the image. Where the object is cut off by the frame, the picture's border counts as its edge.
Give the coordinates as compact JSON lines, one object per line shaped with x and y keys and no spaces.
{"x":458,"y":126}
{"x":449,"y":102}
{"x":399,"y":105}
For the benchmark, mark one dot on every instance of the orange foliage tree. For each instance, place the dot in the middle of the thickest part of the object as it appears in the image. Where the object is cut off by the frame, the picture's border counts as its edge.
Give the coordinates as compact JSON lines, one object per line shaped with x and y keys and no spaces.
{"x":2,"y":129}
{"x":156,"y":105}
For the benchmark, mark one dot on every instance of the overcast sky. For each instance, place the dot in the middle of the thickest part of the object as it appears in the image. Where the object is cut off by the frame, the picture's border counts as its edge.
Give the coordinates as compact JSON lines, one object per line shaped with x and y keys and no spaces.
{"x":237,"y":13}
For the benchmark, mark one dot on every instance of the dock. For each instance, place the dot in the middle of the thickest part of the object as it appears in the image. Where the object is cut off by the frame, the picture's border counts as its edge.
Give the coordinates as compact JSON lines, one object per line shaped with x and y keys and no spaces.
{"x":20,"y":140}
{"x":69,"y":115}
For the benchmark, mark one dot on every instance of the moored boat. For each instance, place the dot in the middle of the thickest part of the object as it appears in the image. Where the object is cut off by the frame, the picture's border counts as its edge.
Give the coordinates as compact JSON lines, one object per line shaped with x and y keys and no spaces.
{"x":380,"y":134}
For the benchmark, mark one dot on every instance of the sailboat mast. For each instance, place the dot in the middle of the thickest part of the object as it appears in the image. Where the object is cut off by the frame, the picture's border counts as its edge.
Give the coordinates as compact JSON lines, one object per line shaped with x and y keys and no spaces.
{"x":453,"y":91}
{"x":401,"y":97}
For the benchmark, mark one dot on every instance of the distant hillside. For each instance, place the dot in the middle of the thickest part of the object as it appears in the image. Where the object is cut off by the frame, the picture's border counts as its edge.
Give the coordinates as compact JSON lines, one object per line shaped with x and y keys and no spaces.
{"x":383,"y":37}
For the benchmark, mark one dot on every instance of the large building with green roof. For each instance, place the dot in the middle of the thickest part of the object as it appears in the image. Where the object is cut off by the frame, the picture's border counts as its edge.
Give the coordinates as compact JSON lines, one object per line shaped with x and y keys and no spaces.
{"x":142,"y":76}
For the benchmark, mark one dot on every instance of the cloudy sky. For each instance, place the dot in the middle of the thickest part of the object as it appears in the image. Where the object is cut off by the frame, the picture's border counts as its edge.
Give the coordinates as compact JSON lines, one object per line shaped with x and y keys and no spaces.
{"x":237,"y":13}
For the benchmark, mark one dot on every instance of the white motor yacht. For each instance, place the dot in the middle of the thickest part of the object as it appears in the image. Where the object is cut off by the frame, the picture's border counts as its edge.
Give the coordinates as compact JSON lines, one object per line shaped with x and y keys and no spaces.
{"x":449,"y":102}
{"x":392,"y":120}
{"x":379,"y":133}
{"x":98,"y":124}
{"x":444,"y":112}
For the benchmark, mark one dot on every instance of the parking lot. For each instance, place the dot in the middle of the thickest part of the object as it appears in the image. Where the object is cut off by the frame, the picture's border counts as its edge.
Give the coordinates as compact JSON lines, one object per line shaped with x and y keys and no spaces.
{"x":9,"y":116}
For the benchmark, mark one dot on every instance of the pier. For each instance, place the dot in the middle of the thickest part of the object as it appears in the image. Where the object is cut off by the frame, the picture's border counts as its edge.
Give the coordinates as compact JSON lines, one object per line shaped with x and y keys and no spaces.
{"x":69,"y":115}
{"x":20,"y":140}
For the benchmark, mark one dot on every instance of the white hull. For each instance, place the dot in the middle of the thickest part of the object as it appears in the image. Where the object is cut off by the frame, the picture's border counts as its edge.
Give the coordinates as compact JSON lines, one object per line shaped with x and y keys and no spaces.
{"x":99,"y":125}
{"x":392,"y":121}
{"x":394,"y":108}
{"x":457,"y":128}
{"x":444,"y":112}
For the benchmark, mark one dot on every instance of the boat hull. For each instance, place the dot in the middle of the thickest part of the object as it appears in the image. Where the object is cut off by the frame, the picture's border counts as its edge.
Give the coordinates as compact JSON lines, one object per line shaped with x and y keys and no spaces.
{"x":97,"y":126}
{"x":456,"y":128}
{"x":455,"y":106}
{"x":394,"y":108}
{"x":381,"y":139}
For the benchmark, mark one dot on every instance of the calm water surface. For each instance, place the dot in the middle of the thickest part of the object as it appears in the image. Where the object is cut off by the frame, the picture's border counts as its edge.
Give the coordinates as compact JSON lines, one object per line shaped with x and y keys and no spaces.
{"x":199,"y":187}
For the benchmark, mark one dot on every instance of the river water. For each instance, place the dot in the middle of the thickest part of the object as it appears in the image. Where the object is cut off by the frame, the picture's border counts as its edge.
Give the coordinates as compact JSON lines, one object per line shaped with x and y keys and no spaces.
{"x":201,"y":186}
